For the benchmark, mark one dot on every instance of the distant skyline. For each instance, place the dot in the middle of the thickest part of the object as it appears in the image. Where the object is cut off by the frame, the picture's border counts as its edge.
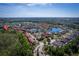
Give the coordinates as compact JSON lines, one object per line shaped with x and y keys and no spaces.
{"x":39,"y":9}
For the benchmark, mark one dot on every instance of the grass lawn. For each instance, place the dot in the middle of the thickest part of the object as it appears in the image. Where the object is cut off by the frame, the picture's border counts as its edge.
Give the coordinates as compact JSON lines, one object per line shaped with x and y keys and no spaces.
{"x":8,"y":42}
{"x":12,"y":44}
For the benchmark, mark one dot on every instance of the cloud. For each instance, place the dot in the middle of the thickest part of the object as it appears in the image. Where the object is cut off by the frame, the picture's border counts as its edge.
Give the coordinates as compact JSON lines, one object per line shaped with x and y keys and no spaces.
{"x":26,"y":4}
{"x":31,"y":4}
{"x":38,"y":4}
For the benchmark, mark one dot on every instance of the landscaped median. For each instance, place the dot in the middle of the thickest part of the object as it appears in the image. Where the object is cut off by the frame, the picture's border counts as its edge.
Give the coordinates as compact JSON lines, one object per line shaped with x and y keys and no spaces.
{"x":26,"y":48}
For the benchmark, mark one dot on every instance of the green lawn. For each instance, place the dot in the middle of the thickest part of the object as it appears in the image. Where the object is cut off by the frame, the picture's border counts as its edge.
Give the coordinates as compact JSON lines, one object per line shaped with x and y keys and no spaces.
{"x":8,"y":42}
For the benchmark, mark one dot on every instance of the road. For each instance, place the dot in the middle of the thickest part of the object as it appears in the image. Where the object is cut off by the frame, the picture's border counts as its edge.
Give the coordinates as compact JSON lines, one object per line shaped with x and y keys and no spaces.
{"x":38,"y":51}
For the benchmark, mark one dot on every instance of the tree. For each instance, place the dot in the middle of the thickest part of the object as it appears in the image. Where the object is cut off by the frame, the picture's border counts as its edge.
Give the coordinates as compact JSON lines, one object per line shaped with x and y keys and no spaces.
{"x":25,"y":48}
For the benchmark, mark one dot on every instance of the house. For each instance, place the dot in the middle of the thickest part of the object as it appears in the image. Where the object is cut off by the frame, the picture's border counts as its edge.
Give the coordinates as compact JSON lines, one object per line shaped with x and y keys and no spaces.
{"x":30,"y":37}
{"x":5,"y":27}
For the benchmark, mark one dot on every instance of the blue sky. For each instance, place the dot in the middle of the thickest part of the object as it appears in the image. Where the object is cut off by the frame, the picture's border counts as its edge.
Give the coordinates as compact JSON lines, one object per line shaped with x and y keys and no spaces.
{"x":39,"y":10}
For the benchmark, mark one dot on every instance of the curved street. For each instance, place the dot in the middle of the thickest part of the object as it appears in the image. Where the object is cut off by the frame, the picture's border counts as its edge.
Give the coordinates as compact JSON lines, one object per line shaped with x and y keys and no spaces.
{"x":38,"y":51}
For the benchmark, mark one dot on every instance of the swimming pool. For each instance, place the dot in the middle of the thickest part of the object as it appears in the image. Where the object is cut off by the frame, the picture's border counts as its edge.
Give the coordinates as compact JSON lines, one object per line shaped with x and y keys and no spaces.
{"x":55,"y":30}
